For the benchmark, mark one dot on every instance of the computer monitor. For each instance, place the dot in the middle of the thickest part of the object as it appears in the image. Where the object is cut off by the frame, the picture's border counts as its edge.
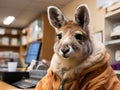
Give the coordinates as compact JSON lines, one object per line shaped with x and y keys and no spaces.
{"x":33,"y":53}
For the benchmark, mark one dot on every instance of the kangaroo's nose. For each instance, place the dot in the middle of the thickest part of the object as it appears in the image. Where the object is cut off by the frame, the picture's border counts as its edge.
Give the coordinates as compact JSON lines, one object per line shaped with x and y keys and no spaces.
{"x":65,"y":51}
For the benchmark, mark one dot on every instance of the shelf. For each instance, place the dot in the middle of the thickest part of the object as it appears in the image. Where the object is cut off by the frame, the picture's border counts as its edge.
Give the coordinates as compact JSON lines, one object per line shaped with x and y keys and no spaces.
{"x":113,"y":15}
{"x":112,"y":42}
{"x":112,"y":19}
{"x":10,"y":46}
{"x":24,"y":45}
{"x":10,"y":35}
{"x":117,"y":71}
{"x":24,"y":34}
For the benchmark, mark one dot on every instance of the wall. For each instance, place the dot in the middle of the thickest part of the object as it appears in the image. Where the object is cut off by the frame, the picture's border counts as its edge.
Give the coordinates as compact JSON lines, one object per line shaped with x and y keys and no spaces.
{"x":97,"y":15}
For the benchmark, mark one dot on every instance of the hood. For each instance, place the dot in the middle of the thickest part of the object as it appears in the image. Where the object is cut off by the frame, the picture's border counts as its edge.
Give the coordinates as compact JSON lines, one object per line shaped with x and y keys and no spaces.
{"x":97,"y":65}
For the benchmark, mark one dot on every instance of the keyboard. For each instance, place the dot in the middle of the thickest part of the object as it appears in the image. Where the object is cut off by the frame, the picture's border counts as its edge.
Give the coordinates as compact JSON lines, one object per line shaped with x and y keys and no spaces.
{"x":26,"y":83}
{"x":35,"y":77}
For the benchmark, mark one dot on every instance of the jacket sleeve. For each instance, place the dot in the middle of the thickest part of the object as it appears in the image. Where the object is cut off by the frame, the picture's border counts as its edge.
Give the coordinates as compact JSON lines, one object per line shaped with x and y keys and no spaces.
{"x":106,"y":81}
{"x":39,"y":86}
{"x":45,"y":83}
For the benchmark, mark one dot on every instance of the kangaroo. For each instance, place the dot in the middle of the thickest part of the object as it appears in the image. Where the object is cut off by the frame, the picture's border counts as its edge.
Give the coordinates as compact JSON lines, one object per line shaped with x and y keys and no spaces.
{"x":77,"y":55}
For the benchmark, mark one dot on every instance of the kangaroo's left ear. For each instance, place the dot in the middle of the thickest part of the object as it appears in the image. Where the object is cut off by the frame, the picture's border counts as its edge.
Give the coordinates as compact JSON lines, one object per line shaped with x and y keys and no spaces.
{"x":82,"y":16}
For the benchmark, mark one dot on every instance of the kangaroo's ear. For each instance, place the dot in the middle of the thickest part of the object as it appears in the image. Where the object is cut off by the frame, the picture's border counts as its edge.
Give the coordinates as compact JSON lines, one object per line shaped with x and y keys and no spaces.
{"x":56,"y":17}
{"x":82,"y":16}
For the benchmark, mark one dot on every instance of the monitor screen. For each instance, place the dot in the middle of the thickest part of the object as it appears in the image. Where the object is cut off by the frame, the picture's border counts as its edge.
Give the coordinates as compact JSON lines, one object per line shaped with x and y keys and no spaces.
{"x":33,"y":51}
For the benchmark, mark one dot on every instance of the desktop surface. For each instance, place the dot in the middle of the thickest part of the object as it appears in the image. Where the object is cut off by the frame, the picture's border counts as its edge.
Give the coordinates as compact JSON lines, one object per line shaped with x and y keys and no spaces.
{"x":5,"y":86}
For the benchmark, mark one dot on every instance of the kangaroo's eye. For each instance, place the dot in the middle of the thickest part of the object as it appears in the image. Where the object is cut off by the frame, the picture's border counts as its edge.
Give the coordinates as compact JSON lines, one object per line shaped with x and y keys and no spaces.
{"x":79,"y":36}
{"x":59,"y":36}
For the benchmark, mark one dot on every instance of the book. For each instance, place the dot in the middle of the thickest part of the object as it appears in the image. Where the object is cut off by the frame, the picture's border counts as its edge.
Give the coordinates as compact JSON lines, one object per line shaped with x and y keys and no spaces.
{"x":5,"y":41}
{"x":14,"y":42}
{"x":24,"y":40}
{"x":2,"y":31}
{"x":14,"y":32}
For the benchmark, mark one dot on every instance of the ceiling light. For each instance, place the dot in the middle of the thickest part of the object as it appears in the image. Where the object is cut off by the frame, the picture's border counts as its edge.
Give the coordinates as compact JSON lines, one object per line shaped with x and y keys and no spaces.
{"x":9,"y":20}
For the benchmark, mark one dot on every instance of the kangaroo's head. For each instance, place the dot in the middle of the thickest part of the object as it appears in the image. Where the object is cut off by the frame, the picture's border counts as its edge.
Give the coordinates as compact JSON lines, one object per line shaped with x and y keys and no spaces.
{"x":73,"y":37}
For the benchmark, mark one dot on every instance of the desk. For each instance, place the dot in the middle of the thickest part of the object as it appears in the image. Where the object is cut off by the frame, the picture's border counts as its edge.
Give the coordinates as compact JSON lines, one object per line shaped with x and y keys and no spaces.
{"x":5,"y":86}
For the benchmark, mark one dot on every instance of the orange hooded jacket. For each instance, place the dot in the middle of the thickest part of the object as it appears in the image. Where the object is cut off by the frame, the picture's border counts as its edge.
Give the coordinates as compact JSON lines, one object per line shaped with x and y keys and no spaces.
{"x":98,"y":77}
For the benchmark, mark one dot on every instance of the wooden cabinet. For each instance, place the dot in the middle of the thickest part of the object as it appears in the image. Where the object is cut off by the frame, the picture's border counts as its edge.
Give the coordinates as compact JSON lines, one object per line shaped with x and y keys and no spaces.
{"x":45,"y":34}
{"x":9,"y":41}
{"x":47,"y":39}
{"x":9,"y":44}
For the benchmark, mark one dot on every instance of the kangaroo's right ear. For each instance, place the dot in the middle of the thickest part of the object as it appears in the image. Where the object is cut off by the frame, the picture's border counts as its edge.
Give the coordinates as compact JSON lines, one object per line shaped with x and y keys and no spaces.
{"x":55,"y":17}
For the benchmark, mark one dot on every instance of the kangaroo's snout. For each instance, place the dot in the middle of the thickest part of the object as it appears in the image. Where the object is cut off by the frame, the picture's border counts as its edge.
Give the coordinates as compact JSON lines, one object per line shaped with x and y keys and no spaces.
{"x":65,"y":51}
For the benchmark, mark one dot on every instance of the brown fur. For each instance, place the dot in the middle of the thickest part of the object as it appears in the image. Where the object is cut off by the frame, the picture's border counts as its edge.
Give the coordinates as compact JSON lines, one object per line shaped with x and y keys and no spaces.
{"x":74,"y":49}
{"x":68,"y":31}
